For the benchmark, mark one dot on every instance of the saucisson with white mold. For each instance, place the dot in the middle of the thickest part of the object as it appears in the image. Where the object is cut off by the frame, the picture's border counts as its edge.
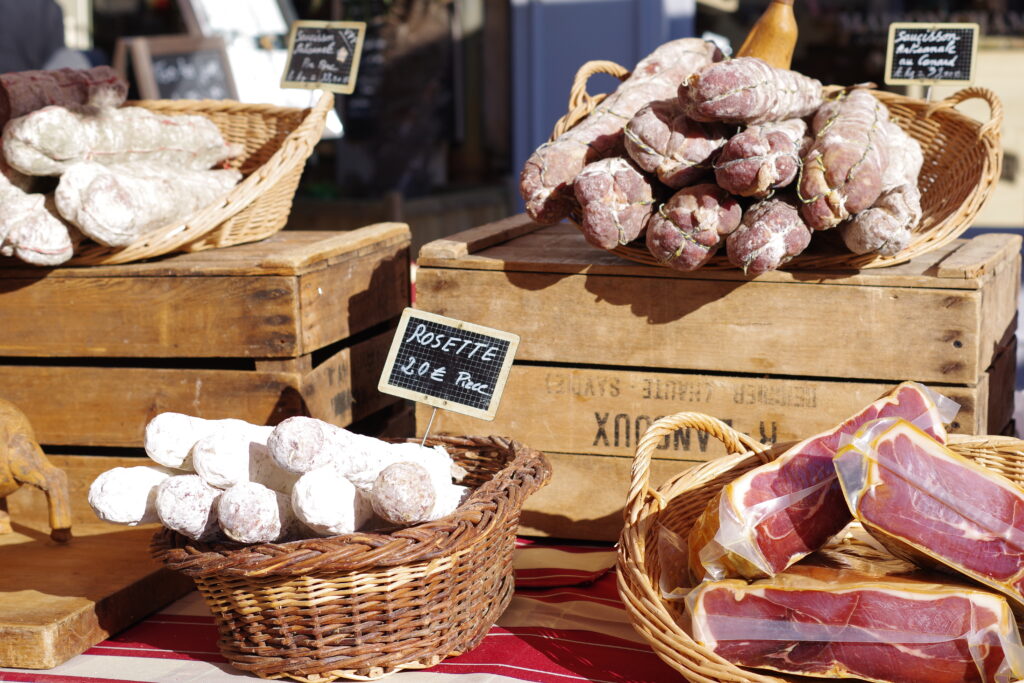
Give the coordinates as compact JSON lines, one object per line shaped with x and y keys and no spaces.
{"x":403,"y":493}
{"x":251,"y":513}
{"x":842,"y":169}
{"x":616,"y":200}
{"x":30,"y":229}
{"x":236,"y":454}
{"x":116,"y":205}
{"x":127,"y":495}
{"x":547,"y":176}
{"x":330,"y":504}
{"x":770,"y":234}
{"x":687,"y":230}
{"x":886,"y":227}
{"x":747,"y":90}
{"x":22,"y":92}
{"x":300,"y":444}
{"x":760,"y":159}
{"x":661,"y":140}
{"x":49,"y":141}
{"x":188,"y":505}
{"x":169,"y":436}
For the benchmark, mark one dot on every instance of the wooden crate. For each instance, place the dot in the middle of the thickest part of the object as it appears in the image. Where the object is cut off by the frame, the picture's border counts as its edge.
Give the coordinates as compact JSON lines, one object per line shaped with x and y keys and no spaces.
{"x":608,"y":346}
{"x":299,"y":323}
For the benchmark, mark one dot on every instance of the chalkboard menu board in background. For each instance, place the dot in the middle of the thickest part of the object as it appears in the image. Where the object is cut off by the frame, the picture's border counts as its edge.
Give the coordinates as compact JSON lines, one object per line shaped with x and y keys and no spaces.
{"x":324,"y":55}
{"x":931,"y":53}
{"x":448,"y":363}
{"x":181,"y":68}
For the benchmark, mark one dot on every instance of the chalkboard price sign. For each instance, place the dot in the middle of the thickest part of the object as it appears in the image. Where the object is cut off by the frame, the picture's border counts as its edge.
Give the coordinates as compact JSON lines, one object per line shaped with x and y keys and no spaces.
{"x":324,"y":55}
{"x":931,"y":53}
{"x":448,"y":363}
{"x":178,"y":67}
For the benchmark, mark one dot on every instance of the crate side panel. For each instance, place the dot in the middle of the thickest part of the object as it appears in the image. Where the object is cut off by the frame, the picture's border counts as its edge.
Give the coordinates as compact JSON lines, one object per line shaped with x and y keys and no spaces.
{"x":343,"y":389}
{"x":354,"y":295}
{"x":157,"y":317}
{"x":764,"y":328}
{"x":606,"y":412}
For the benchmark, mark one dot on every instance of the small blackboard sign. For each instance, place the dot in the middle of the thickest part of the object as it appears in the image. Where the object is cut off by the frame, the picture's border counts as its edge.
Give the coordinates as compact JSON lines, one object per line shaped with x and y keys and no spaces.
{"x":448,"y":363}
{"x":181,"y":68}
{"x":324,"y":55}
{"x":931,"y":53}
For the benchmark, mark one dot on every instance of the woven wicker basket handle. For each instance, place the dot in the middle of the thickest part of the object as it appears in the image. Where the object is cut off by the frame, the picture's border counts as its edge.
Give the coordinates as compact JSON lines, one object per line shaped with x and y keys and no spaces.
{"x":989,"y":131}
{"x":735,"y":443}
{"x":581,"y":103}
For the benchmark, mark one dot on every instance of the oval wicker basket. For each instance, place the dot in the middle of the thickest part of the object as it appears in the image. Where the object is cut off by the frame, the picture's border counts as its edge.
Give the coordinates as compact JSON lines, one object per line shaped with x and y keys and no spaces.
{"x":678,"y":502}
{"x":962,"y":163}
{"x":365,"y":605}
{"x":276,"y":140}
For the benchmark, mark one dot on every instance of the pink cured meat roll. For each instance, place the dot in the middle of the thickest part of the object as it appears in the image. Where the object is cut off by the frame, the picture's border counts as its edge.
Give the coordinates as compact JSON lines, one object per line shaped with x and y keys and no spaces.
{"x":933,"y":506}
{"x":906,"y":627}
{"x":770,"y":517}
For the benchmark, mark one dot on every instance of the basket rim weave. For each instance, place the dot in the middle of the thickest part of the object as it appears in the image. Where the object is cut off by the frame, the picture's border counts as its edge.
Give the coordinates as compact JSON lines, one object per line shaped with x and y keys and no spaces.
{"x":642,"y":599}
{"x":581,"y":104}
{"x":527,"y":471}
{"x":204,"y":224}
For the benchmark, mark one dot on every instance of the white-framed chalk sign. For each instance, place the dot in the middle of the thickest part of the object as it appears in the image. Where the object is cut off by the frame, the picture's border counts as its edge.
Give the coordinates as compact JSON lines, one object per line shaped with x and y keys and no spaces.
{"x":324,"y":55}
{"x":930,"y":53}
{"x":448,"y":363}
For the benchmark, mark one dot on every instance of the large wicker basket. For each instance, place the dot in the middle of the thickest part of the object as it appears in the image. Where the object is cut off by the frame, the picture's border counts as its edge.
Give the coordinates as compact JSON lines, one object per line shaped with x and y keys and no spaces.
{"x":962,"y":163}
{"x":276,"y":140}
{"x":365,"y":605}
{"x":676,"y":505}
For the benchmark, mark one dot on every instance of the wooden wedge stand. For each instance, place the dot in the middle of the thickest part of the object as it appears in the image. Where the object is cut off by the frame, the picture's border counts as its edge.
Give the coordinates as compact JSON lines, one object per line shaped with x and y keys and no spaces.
{"x":773,"y":35}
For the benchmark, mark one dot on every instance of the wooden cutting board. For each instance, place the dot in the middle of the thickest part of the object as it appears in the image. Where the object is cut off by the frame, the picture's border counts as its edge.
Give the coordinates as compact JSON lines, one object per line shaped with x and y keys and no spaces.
{"x":56,"y":601}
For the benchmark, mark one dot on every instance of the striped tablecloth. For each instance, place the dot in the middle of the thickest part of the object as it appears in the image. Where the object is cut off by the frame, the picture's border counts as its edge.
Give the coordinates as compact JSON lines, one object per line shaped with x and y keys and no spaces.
{"x":565,"y":623}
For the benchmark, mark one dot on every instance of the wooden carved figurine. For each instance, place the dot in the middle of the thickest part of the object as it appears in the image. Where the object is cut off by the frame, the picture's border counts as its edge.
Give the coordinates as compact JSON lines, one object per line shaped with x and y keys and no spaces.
{"x":22,"y":461}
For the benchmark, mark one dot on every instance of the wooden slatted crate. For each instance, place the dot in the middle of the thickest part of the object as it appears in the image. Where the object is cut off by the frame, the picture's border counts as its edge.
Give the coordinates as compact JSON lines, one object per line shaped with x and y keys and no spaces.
{"x":296,"y":324}
{"x":608,"y":346}
{"x":299,"y":323}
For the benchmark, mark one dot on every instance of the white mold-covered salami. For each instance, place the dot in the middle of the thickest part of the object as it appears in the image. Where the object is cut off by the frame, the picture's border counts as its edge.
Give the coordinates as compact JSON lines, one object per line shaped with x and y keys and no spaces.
{"x":231,"y":456}
{"x":127,"y":495}
{"x":187,"y":504}
{"x":252,"y":513}
{"x":169,"y":437}
{"x":329,"y":504}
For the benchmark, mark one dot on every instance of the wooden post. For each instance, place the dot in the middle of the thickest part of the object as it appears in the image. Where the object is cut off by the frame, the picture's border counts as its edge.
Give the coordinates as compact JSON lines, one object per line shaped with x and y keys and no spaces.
{"x":773,"y":36}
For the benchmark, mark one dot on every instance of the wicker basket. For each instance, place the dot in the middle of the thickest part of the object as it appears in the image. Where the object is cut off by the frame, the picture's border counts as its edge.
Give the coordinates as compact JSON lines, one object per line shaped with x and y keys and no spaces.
{"x":962,"y":162}
{"x":677,"y":504}
{"x":365,"y":605}
{"x":277,"y":142}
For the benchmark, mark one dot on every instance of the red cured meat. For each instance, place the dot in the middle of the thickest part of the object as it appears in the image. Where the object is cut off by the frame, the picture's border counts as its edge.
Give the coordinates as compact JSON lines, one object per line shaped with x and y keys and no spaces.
{"x":770,"y":517}
{"x":816,"y":620}
{"x":934,"y":506}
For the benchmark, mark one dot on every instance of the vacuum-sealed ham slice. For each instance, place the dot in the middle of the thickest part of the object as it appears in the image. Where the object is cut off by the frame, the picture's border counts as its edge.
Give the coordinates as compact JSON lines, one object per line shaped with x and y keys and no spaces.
{"x":933,"y":506}
{"x":768,"y":518}
{"x":877,"y":622}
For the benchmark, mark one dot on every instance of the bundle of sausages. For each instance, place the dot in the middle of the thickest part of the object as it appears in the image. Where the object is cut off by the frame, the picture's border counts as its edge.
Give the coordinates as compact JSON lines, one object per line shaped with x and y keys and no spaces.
{"x":217,"y":480}
{"x":739,"y":154}
{"x":123,"y":171}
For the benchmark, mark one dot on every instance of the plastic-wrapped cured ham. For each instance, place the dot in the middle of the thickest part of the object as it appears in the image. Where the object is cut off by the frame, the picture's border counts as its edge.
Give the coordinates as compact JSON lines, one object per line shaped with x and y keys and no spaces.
{"x":547,"y":176}
{"x":770,"y":517}
{"x":933,"y":506}
{"x":877,"y":622}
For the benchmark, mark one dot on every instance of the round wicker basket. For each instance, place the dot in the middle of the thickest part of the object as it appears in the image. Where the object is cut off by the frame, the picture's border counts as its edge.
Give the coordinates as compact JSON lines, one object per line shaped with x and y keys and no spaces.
{"x":365,"y":605}
{"x":962,"y":163}
{"x":276,"y":140}
{"x":676,"y":505}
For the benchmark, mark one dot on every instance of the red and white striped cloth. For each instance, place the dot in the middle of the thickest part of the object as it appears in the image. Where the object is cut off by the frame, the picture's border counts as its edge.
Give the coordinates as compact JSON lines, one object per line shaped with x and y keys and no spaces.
{"x":565,"y":623}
